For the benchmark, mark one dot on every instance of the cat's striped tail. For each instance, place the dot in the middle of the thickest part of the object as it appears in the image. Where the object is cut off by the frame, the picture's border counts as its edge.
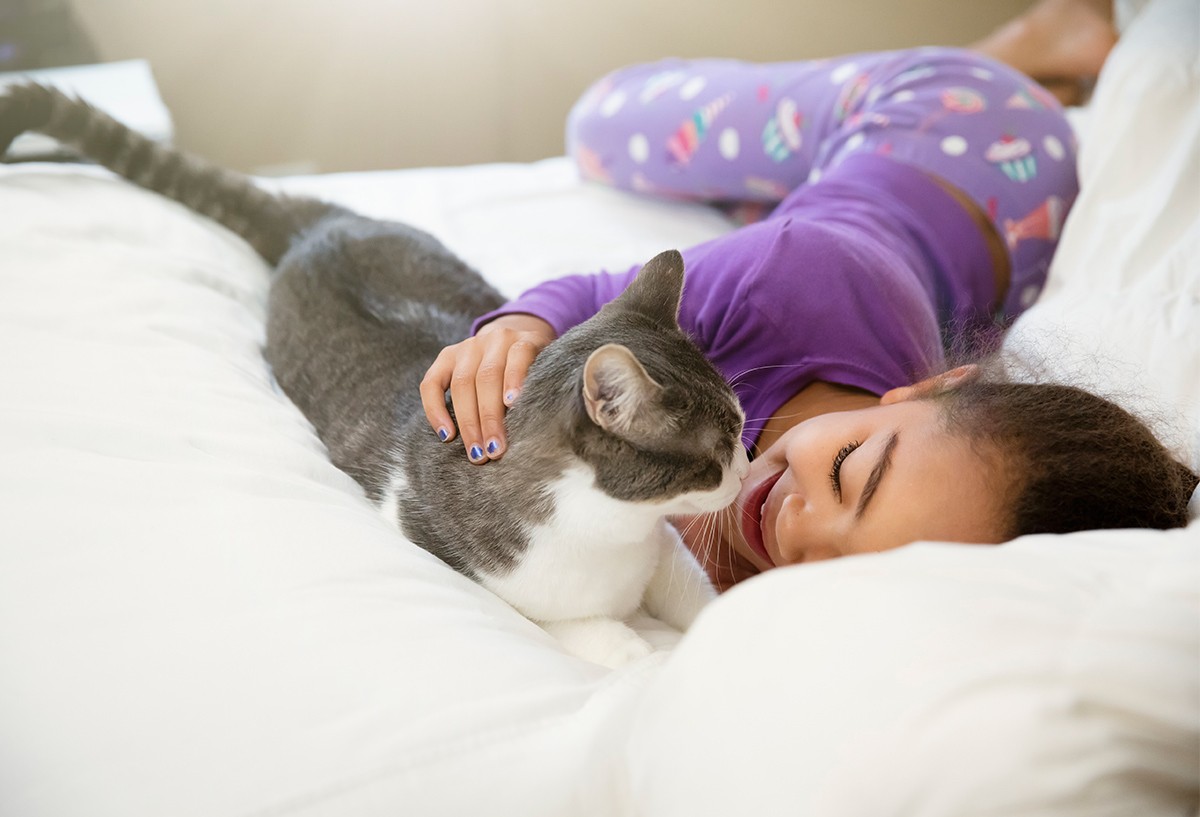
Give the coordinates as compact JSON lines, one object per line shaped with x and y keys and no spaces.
{"x":268,"y":222}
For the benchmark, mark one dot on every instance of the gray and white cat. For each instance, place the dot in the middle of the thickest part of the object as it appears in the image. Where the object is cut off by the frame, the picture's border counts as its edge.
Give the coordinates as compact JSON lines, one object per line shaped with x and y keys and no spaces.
{"x":621,"y":421}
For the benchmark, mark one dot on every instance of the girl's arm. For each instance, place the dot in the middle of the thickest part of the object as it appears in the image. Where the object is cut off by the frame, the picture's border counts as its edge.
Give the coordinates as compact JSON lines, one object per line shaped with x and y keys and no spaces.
{"x":484,"y":373}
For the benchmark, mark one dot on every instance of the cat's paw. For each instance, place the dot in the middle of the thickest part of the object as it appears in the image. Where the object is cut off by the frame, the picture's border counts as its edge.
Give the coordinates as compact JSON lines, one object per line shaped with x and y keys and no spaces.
{"x":603,"y":641}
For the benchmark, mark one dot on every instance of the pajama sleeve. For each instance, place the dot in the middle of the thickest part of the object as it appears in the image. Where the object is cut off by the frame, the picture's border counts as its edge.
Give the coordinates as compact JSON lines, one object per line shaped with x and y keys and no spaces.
{"x":565,"y":302}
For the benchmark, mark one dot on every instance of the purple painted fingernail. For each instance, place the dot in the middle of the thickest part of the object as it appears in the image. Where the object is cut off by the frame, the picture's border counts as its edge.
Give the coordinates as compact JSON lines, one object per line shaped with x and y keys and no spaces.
{"x":509,"y":397}
{"x":493,"y":446}
{"x":443,"y":434}
{"x":476,"y":453}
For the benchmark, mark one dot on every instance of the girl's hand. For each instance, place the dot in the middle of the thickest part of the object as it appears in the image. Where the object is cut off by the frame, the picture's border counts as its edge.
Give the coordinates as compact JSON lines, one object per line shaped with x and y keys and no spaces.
{"x":484,"y":375}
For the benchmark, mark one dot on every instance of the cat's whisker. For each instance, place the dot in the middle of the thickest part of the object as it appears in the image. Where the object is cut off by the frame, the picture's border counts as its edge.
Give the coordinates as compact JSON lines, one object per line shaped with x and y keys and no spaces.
{"x":768,"y":418}
{"x":730,"y":556}
{"x":700,"y":530}
{"x":737,"y":377}
{"x":710,"y":538}
{"x":707,"y":537}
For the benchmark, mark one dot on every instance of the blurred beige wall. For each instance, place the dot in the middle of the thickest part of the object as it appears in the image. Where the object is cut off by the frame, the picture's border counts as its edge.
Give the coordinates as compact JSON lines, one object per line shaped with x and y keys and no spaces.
{"x":318,"y":85}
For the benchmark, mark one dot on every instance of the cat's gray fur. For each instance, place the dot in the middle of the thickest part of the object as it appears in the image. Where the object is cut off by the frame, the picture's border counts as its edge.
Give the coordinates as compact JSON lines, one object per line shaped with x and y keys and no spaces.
{"x":359,"y":308}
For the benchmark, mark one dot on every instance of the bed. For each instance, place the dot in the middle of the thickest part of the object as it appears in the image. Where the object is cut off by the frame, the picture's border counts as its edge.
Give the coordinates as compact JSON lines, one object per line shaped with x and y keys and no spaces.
{"x":200,"y":615}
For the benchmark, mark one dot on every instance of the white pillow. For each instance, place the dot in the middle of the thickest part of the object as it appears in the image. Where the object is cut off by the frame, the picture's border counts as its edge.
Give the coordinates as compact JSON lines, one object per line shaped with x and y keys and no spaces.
{"x":1051,"y":676}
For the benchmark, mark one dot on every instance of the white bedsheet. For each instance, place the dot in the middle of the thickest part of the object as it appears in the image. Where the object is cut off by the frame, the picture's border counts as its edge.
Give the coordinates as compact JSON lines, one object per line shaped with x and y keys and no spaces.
{"x":199,"y":615}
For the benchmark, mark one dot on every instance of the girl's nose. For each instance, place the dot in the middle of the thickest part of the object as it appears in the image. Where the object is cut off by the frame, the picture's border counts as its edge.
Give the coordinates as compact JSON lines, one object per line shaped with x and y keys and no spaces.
{"x":789,"y":523}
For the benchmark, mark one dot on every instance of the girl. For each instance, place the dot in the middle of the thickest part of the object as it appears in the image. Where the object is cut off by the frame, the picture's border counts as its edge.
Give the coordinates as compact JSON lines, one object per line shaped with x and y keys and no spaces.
{"x":902,"y":202}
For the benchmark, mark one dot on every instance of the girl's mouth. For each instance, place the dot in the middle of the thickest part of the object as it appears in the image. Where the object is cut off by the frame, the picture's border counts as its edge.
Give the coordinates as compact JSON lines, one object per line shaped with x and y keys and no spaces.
{"x":752,"y":510}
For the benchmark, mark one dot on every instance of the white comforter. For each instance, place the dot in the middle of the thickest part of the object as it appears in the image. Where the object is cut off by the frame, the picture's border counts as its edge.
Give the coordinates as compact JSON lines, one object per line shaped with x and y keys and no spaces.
{"x":199,"y":615}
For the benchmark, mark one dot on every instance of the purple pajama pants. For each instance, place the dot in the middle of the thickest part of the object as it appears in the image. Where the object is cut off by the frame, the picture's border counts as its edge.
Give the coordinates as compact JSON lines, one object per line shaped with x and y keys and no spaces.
{"x":734,"y":132}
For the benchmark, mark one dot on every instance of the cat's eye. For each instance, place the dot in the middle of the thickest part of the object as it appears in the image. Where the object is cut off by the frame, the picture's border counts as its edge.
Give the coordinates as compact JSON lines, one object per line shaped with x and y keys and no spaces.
{"x":835,"y":473}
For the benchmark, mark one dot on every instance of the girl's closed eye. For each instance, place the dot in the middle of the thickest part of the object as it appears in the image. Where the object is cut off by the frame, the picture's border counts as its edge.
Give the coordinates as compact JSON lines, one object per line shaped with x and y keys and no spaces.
{"x":835,"y":473}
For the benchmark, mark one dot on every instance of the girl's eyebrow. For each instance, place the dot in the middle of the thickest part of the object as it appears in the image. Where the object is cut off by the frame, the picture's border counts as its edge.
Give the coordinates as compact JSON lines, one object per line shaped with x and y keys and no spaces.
{"x":881,"y":467}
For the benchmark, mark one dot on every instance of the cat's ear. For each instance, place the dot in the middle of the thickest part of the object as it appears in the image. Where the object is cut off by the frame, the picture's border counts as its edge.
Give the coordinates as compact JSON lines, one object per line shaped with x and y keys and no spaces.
{"x":657,"y":288}
{"x":620,"y":396}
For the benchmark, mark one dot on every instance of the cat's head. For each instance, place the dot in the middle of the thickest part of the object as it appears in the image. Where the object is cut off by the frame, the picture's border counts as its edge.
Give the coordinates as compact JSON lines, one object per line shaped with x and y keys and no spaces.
{"x":634,"y":398}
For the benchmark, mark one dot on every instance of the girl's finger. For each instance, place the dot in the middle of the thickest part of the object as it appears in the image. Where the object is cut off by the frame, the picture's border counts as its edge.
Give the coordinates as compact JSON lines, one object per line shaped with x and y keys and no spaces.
{"x":433,"y":394}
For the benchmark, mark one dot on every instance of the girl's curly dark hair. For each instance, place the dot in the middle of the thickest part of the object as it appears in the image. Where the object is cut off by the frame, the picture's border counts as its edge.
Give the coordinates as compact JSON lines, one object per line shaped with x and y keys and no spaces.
{"x":1076,"y":461}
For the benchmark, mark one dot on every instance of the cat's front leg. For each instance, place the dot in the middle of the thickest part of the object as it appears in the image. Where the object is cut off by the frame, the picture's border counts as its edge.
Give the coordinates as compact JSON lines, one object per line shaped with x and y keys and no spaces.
{"x":679,"y":588}
{"x":603,"y":641}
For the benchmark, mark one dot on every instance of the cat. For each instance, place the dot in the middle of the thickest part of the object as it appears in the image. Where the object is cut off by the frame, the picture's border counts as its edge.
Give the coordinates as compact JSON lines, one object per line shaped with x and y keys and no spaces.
{"x":621,"y":422}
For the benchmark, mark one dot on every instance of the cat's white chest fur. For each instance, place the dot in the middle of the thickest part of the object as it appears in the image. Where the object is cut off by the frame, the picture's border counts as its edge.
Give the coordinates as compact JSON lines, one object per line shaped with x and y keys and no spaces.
{"x":594,"y":563}
{"x":593,"y":557}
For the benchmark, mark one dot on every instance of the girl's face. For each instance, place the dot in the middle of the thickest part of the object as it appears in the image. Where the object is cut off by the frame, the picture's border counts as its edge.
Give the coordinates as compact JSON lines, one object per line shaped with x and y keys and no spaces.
{"x":857,"y":482}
